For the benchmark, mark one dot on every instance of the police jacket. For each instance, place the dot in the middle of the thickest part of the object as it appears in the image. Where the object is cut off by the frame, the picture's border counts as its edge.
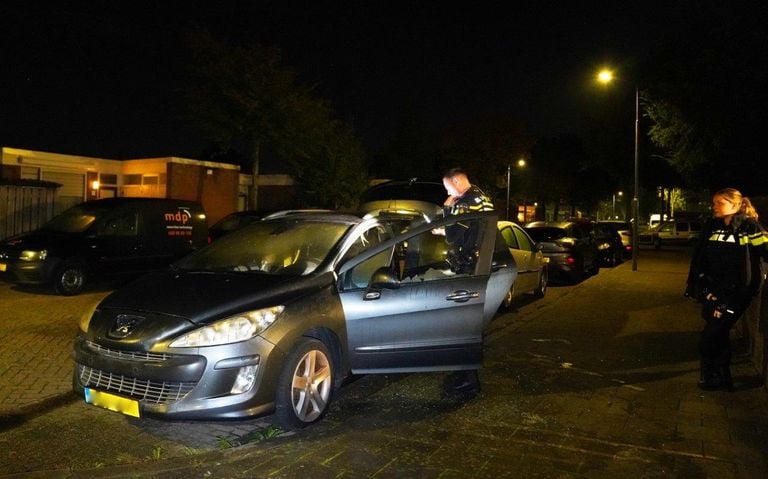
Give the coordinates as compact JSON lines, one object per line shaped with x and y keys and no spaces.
{"x":726,"y":260}
{"x":463,"y":236}
{"x":472,"y":201}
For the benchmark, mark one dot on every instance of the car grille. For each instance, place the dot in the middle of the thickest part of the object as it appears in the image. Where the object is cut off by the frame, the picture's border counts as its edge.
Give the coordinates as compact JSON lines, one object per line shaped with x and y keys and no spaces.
{"x":128,"y":355}
{"x":156,"y":392}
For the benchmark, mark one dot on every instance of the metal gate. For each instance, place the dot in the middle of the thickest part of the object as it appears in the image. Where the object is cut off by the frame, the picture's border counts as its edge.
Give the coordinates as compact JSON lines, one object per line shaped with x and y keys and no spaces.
{"x":25,"y":208}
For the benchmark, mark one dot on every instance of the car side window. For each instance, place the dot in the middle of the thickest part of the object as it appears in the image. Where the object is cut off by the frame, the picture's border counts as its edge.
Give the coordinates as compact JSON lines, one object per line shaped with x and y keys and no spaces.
{"x":367,"y":239}
{"x":523,"y":240}
{"x":666,"y":228}
{"x":424,"y":257}
{"x":510,"y":238}
{"x":124,"y":224}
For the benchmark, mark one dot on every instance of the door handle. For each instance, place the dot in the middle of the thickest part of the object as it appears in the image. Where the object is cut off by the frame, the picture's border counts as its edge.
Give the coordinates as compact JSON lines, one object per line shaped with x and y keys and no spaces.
{"x":371,"y":295}
{"x":462,"y":296}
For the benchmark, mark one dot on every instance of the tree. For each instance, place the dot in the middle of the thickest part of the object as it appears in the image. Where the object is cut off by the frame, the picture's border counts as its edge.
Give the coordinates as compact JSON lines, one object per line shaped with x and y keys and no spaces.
{"x":706,"y":97}
{"x":485,"y":147}
{"x":242,"y":97}
{"x":339,"y":180}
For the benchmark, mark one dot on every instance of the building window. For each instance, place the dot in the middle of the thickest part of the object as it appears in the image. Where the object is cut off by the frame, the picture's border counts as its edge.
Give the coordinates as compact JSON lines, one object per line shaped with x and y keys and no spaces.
{"x":150,"y":180}
{"x":131,"y":180}
{"x":108,"y":179}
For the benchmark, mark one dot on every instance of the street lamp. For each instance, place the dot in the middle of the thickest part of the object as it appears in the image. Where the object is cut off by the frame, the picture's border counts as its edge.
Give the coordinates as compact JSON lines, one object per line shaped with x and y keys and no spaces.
{"x":620,"y":193}
{"x":606,"y":76}
{"x":520,"y":164}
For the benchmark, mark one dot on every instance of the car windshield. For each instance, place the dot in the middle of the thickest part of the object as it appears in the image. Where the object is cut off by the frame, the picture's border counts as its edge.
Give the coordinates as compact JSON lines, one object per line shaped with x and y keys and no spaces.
{"x":74,"y":220}
{"x":546,"y":233}
{"x":274,"y":247}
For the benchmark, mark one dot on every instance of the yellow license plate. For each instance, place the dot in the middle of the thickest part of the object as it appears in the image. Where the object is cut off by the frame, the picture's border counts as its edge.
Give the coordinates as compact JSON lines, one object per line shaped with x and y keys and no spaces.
{"x":129,"y":407}
{"x":2,"y":267}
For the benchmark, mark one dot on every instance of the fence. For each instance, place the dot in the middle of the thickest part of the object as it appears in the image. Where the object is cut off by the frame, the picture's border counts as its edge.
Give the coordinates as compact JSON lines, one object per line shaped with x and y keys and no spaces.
{"x":25,"y":208}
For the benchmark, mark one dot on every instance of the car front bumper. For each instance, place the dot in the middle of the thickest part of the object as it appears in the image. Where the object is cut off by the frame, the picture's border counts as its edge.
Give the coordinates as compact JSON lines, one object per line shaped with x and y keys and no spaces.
{"x":182,"y":384}
{"x":27,"y":272}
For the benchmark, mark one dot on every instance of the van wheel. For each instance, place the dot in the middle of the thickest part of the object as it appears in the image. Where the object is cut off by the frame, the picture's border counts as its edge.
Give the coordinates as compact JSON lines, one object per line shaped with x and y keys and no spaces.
{"x":305,"y":386}
{"x":69,"y":278}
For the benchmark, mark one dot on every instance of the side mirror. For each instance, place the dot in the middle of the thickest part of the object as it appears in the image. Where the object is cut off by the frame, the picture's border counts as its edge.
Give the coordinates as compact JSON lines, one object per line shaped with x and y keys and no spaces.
{"x":384,"y":278}
{"x":538,"y":246}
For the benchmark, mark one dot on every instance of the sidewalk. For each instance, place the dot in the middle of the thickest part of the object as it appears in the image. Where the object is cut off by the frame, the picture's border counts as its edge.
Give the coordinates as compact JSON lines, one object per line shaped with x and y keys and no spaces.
{"x":597,"y":380}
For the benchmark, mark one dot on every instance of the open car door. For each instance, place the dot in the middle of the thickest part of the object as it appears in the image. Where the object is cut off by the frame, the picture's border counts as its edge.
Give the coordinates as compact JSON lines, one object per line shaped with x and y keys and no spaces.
{"x":419,"y":303}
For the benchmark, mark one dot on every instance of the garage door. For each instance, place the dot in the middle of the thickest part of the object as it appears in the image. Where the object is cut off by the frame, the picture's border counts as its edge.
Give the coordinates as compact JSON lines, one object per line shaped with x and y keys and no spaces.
{"x":72,"y":189}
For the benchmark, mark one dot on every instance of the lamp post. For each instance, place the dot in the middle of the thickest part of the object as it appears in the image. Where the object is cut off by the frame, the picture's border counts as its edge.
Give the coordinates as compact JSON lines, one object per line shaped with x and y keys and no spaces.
{"x":605,"y":77}
{"x":520,"y":164}
{"x":613,"y":211}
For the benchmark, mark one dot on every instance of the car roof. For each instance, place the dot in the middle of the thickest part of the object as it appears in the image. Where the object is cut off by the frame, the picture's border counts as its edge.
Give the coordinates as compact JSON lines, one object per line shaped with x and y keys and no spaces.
{"x":319,"y":215}
{"x":550,"y":224}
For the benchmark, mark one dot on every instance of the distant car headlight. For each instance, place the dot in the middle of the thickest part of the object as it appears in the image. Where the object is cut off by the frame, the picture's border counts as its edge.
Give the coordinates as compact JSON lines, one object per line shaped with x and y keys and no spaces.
{"x":231,"y":330}
{"x":31,"y":255}
{"x":604,"y":246}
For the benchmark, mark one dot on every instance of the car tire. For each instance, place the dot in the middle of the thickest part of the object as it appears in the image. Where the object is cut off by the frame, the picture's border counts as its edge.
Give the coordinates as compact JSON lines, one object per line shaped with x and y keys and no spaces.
{"x":305,"y":386}
{"x":69,"y":278}
{"x":595,"y":267}
{"x":541,"y":288}
{"x":509,"y":298}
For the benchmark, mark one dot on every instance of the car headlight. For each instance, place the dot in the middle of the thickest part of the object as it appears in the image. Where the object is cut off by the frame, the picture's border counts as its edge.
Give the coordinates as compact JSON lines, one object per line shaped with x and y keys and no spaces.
{"x":31,"y":255}
{"x":231,"y":330}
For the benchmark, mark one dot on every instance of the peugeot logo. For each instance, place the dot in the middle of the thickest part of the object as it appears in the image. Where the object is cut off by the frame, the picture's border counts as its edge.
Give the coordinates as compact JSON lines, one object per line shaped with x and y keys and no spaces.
{"x":124,"y":325}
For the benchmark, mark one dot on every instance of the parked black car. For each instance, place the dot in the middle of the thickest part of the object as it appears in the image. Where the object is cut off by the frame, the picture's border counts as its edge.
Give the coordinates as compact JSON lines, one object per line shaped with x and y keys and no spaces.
{"x":570,"y":247}
{"x":234,"y":221}
{"x":104,"y":238}
{"x":273,"y":316}
{"x":426,"y":197}
{"x":610,"y":247}
{"x":624,"y":228}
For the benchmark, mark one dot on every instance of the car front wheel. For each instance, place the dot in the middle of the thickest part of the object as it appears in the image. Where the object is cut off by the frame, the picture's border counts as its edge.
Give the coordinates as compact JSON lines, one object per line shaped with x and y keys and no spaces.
{"x":69,"y":278}
{"x":305,"y":387}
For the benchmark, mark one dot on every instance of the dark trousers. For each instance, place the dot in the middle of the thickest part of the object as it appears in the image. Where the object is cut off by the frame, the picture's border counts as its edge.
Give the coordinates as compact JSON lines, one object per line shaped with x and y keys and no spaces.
{"x":715,"y":347}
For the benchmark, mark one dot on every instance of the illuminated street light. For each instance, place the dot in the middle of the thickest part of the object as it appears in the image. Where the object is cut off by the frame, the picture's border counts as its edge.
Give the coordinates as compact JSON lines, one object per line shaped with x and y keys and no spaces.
{"x":613,"y":212}
{"x":606,"y":76}
{"x":520,"y":164}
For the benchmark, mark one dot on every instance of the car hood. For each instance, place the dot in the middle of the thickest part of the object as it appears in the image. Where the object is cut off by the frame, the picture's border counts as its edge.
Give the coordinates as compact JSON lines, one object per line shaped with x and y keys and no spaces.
{"x":205,"y":297}
{"x":36,"y":240}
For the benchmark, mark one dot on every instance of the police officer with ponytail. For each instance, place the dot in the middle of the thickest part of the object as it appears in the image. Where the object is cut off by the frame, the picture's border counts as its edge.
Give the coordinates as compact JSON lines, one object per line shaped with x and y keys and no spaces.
{"x":725,"y":275}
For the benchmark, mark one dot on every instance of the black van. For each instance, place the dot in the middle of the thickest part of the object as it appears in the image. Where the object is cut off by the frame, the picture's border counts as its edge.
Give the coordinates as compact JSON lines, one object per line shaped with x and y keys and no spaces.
{"x":109,"y":237}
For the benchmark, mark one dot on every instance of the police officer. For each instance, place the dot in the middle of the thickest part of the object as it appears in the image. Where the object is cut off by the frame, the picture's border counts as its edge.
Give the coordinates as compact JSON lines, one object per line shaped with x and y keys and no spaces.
{"x":724,"y":276}
{"x":463,"y":198}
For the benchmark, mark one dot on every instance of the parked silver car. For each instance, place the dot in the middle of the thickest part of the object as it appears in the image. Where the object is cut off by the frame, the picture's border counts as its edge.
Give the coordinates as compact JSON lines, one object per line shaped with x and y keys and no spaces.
{"x":273,"y":316}
{"x":532,"y":272}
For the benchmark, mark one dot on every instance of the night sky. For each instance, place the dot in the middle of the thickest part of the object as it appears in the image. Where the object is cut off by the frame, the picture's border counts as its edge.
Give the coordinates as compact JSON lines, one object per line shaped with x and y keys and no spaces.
{"x":103,"y":79}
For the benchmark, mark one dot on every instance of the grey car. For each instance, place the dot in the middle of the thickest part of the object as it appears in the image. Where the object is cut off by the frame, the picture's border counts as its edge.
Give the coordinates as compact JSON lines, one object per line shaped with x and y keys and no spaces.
{"x":272,"y":317}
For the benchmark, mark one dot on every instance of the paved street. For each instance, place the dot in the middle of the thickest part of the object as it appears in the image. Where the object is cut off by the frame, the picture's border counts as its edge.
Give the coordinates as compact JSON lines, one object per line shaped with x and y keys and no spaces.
{"x":596,"y":380}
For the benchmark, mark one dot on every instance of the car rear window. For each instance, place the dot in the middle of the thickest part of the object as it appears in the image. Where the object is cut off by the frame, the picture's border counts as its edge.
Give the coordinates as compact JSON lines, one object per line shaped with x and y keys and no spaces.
{"x":546,"y":233}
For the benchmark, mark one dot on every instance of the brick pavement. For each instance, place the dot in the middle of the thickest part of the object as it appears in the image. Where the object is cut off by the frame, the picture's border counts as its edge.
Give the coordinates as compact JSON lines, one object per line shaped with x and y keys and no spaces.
{"x":597,"y":380}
